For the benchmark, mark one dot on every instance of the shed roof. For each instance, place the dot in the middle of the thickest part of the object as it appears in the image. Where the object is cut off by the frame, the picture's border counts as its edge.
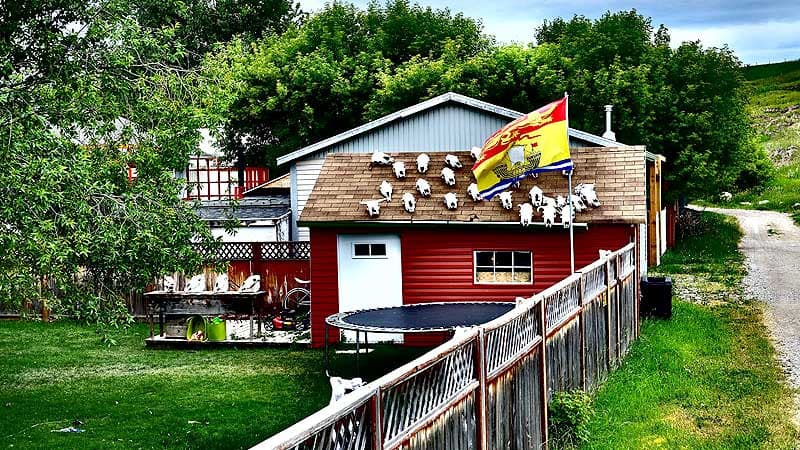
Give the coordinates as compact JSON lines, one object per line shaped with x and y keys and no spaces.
{"x":346,"y":179}
{"x":426,"y":105}
{"x":247,"y":210}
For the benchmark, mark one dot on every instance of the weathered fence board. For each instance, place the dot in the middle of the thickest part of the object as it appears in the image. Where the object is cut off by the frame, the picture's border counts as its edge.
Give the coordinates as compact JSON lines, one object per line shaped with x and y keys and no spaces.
{"x":489,"y":387}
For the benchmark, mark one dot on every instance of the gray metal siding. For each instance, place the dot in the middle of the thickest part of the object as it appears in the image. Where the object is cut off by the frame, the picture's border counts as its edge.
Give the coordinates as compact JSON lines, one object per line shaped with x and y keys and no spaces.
{"x":444,"y":128}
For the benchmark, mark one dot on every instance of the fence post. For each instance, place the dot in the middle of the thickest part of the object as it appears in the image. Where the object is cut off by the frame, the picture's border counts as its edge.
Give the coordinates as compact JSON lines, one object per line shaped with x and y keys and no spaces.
{"x":543,"y":369}
{"x":482,"y":410}
{"x":377,"y":420}
{"x":618,"y":306}
{"x":637,"y":282}
{"x":582,"y":326}
{"x":609,"y":324}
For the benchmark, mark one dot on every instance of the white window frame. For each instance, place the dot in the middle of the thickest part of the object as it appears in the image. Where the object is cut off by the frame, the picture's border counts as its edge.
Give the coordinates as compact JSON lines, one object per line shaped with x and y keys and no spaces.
{"x":370,"y":256}
{"x":494,"y":269}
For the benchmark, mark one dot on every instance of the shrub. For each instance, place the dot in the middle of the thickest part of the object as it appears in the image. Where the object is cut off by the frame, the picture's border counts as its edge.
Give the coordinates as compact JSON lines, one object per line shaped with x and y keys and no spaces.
{"x":569,"y":415}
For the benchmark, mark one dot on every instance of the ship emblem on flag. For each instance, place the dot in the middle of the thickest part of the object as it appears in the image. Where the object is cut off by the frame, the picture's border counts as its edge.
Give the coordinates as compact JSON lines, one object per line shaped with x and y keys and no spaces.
{"x":536,"y":142}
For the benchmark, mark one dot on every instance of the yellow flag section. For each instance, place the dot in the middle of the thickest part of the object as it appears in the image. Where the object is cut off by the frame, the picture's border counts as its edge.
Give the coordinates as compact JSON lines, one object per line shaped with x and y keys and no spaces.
{"x":536,"y":142}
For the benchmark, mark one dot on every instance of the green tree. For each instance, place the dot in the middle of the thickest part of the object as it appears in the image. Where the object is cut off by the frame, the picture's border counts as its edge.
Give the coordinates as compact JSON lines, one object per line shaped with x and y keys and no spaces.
{"x":315,"y":79}
{"x":86,"y":92}
{"x":200,"y":24}
{"x":686,"y":103}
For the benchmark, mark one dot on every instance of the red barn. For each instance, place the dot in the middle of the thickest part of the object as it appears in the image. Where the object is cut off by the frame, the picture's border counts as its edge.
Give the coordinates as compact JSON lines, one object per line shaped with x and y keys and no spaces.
{"x":479,"y":251}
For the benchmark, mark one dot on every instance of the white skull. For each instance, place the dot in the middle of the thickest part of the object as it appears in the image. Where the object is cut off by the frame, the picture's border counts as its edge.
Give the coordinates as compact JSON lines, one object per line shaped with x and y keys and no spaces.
{"x":451,"y":200}
{"x":196,"y":284}
{"x":449,"y":176}
{"x":373,"y":206}
{"x":381,"y":159}
{"x":221,"y":284}
{"x":505,"y":200}
{"x":409,"y":202}
{"x":251,"y":284}
{"x":452,"y":161}
{"x":386,"y":190}
{"x":472,"y":191}
{"x":525,"y":214}
{"x":475,"y":152}
{"x":399,"y":169}
{"x":422,"y":163}
{"x":548,"y":214}
{"x":423,"y":187}
{"x":536,"y":196}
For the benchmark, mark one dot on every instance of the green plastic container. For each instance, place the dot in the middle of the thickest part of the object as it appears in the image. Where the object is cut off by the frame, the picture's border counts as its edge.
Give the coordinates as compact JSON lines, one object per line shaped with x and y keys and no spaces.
{"x":216,"y":331}
{"x":195,"y":324}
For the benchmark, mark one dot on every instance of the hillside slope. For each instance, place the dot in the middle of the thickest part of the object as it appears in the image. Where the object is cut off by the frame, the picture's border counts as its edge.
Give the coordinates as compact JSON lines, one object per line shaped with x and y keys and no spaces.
{"x":775,"y":111}
{"x":775,"y":107}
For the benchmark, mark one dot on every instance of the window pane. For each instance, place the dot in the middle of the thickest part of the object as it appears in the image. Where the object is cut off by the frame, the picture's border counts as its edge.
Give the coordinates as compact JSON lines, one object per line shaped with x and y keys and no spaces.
{"x":484,"y":258}
{"x":504,"y":275}
{"x":378,"y":249}
{"x":360,"y":249}
{"x":503,"y":258}
{"x":522,"y":259}
{"x":484,"y":274}
{"x":522,"y":276}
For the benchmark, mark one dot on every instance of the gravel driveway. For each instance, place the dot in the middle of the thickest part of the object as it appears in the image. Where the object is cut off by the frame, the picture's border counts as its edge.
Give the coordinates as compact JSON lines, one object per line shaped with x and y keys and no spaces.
{"x":771,"y":244}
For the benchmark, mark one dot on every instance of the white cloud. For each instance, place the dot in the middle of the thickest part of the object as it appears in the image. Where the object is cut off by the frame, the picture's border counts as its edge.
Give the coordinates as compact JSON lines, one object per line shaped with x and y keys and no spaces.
{"x":753,"y":43}
{"x":758,"y":32}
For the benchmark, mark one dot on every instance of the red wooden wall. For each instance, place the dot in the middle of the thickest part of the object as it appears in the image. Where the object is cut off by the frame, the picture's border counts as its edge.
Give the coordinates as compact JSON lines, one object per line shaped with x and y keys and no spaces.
{"x":273,"y":273}
{"x":437,"y":264}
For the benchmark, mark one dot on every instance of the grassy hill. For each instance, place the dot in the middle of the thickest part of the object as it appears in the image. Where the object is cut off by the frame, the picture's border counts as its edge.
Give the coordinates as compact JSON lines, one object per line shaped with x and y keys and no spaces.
{"x":775,"y":110}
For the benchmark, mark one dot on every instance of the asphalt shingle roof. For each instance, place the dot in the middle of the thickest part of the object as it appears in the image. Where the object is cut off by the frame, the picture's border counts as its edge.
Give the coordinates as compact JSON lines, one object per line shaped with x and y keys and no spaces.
{"x":346,"y":179}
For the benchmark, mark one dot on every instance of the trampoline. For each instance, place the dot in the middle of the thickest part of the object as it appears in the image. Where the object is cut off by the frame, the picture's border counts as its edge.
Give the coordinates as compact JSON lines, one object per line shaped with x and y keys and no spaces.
{"x":417,"y":318}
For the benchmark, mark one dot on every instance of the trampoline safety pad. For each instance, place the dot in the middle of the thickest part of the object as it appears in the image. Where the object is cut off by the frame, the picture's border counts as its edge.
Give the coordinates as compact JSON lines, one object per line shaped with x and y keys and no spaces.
{"x":420,"y":318}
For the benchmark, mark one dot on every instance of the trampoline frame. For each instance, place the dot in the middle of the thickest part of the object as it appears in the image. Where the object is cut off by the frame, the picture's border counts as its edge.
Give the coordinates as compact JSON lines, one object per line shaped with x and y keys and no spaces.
{"x":337,"y":321}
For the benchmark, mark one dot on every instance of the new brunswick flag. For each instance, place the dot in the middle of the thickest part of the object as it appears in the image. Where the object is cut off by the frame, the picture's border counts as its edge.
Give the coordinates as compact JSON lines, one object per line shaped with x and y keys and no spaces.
{"x":536,"y":142}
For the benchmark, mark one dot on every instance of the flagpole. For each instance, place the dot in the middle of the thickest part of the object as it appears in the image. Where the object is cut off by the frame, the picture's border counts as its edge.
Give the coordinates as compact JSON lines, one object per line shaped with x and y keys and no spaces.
{"x":569,"y":199}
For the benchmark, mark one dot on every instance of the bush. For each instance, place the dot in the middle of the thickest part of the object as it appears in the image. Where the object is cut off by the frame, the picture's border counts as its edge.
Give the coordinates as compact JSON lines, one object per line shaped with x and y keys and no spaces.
{"x":756,"y":172}
{"x":569,"y":415}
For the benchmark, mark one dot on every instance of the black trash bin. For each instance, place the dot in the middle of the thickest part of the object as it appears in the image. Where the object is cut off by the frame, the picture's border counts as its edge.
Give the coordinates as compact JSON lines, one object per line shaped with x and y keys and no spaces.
{"x":657,"y":297}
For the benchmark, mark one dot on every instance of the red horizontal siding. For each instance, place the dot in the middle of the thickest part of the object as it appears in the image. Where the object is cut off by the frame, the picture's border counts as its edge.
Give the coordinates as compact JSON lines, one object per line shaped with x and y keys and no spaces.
{"x":438,"y":264}
{"x":324,"y":283}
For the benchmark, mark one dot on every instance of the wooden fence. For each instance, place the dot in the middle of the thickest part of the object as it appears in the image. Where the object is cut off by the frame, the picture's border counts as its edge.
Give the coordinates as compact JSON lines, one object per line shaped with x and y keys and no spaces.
{"x":489,"y":387}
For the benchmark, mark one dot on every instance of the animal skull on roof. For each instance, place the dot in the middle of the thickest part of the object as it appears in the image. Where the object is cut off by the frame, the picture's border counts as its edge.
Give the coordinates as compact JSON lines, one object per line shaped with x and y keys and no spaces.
{"x":449,"y":176}
{"x":386,"y":190}
{"x":423,"y":187}
{"x":381,"y":159}
{"x":422,"y":162}
{"x":453,"y":161}
{"x":399,"y":169}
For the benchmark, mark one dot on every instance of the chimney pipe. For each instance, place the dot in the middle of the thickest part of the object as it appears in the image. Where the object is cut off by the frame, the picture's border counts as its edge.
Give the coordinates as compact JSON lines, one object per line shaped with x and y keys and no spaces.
{"x":609,"y":134}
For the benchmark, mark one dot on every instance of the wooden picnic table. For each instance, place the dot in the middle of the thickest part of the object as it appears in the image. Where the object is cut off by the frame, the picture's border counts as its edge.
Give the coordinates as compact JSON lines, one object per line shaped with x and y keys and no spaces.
{"x":184,"y":304}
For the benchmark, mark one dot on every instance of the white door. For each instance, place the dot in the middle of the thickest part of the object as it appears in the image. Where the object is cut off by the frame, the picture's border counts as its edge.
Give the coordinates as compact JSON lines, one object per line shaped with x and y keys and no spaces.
{"x":370,"y":276}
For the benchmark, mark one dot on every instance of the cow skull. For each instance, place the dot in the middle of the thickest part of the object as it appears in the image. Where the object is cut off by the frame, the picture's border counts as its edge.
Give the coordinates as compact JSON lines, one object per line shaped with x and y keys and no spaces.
{"x":423,"y":187}
{"x":409,"y":202}
{"x":423,"y":160}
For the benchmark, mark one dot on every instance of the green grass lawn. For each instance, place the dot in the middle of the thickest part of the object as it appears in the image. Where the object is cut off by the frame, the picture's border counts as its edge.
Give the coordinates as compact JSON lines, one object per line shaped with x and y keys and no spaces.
{"x":128,"y":396}
{"x":708,"y":377}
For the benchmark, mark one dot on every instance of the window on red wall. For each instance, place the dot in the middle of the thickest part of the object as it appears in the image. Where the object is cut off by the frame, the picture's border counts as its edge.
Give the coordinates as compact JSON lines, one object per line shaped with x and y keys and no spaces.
{"x":503,"y":267}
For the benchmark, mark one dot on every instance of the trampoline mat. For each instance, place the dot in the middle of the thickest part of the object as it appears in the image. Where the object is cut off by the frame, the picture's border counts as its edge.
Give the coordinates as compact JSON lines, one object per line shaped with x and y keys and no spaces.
{"x":423,"y":317}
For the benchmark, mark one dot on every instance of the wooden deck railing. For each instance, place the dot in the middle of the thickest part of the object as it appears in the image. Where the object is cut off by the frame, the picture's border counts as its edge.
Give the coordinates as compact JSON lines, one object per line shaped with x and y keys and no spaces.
{"x":489,"y":387}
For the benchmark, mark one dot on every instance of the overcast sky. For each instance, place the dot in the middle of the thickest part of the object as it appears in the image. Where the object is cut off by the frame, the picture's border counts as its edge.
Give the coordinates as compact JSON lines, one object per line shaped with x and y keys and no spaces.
{"x":759,"y":32}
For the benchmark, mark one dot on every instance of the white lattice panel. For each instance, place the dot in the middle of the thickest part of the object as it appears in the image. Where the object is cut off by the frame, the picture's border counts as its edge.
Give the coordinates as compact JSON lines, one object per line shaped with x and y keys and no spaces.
{"x":504,"y":343}
{"x":407,"y":403}
{"x":561,"y":302}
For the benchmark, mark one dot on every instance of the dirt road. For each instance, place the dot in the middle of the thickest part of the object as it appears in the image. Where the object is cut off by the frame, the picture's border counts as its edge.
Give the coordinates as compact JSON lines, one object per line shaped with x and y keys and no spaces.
{"x":771,"y":244}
